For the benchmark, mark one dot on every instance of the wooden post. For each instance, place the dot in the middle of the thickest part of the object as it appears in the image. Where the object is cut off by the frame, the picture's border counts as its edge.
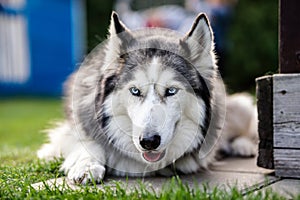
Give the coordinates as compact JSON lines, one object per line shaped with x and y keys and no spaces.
{"x":264,"y":93}
{"x":280,"y":95}
{"x":289,"y":36}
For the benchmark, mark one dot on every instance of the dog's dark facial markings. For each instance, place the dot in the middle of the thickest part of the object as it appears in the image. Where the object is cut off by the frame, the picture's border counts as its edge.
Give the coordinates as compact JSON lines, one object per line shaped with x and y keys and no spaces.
{"x":104,"y":119}
{"x":186,"y":73}
{"x":204,"y":93}
{"x":107,"y":85}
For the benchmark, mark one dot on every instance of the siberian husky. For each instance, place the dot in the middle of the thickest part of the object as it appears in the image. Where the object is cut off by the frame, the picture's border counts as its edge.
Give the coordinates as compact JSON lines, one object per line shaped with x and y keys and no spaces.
{"x":147,"y":102}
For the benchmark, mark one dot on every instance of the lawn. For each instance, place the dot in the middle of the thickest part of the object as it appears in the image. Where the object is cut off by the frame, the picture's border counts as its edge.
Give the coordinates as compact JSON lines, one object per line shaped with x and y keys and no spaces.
{"x":23,"y":119}
{"x":21,"y":123}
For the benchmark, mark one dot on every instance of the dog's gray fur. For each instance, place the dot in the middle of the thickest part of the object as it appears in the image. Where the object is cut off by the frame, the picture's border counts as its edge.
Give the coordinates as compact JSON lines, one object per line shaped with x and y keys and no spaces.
{"x":99,"y":133}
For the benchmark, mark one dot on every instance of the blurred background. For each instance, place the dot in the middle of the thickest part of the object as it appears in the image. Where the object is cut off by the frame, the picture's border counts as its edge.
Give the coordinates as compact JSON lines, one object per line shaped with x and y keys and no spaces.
{"x":43,"y":41}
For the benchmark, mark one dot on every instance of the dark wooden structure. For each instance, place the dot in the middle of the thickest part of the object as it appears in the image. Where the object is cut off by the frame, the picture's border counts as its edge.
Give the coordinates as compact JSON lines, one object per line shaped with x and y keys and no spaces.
{"x":278,"y":99}
{"x":264,"y":93}
{"x":289,"y":36}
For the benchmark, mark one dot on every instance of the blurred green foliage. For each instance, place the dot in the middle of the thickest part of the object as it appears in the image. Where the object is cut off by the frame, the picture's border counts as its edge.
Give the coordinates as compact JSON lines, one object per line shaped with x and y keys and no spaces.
{"x":252,"y":39}
{"x":98,"y":16}
{"x":253,"y":43}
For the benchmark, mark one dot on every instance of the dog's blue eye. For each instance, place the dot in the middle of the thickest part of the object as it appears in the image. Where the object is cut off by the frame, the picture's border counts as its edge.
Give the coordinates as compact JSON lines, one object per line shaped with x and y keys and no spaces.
{"x":134,"y":91}
{"x":171,"y":91}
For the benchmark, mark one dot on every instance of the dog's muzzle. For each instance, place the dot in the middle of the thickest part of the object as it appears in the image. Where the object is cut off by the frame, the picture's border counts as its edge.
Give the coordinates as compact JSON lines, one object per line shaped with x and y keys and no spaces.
{"x":150,"y":144}
{"x":153,"y":156}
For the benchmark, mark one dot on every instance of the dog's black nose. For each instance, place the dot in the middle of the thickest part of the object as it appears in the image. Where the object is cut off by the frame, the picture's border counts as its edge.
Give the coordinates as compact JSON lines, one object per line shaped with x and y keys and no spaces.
{"x":150,"y":143}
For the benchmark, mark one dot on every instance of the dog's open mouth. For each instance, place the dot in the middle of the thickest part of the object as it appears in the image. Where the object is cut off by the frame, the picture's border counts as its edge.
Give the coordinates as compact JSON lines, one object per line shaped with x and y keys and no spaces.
{"x":153,"y":156}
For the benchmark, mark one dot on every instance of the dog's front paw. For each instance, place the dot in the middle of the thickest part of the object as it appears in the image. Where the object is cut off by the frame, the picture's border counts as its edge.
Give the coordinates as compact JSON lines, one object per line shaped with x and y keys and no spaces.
{"x":244,"y":147}
{"x":86,"y":174}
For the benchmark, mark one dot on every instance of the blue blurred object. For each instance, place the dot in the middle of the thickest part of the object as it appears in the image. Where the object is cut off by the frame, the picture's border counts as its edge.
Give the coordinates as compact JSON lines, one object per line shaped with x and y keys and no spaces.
{"x":41,"y":41}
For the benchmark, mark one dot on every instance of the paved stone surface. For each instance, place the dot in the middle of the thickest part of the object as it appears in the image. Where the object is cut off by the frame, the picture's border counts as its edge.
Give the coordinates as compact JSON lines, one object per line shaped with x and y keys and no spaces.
{"x":242,"y":173}
{"x":288,"y":188}
{"x":247,"y":165}
{"x":222,"y":180}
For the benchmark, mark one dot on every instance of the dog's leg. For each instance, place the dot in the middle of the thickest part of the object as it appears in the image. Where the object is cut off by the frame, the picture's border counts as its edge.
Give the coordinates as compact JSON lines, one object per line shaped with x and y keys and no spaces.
{"x":84,"y":158}
{"x":193,"y":162}
{"x":85,"y":162}
{"x":243,"y":146}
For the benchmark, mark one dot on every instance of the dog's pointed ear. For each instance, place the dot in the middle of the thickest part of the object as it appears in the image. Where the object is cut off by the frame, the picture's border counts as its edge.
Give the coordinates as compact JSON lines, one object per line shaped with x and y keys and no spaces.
{"x":118,"y":39}
{"x":200,"y":36}
{"x":116,"y":26}
{"x":198,"y":45}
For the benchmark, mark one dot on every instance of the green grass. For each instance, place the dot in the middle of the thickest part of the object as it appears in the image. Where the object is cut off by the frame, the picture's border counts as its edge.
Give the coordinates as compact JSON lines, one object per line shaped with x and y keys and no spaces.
{"x":16,"y":184}
{"x":21,"y":122}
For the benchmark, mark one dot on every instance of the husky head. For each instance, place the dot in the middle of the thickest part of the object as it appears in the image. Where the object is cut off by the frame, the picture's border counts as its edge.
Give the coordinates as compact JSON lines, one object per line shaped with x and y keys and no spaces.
{"x":156,"y":90}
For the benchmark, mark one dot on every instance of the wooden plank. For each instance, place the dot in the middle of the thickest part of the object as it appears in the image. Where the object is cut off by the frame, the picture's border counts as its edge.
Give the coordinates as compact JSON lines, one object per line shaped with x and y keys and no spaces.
{"x":264,"y":93}
{"x":289,"y":40}
{"x":287,"y":162}
{"x":286,"y":109}
{"x":286,"y":139}
{"x":286,"y":122}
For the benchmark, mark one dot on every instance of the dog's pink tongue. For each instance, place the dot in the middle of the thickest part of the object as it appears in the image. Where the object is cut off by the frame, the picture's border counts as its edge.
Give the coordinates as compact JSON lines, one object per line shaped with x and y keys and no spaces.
{"x":152,"y":156}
